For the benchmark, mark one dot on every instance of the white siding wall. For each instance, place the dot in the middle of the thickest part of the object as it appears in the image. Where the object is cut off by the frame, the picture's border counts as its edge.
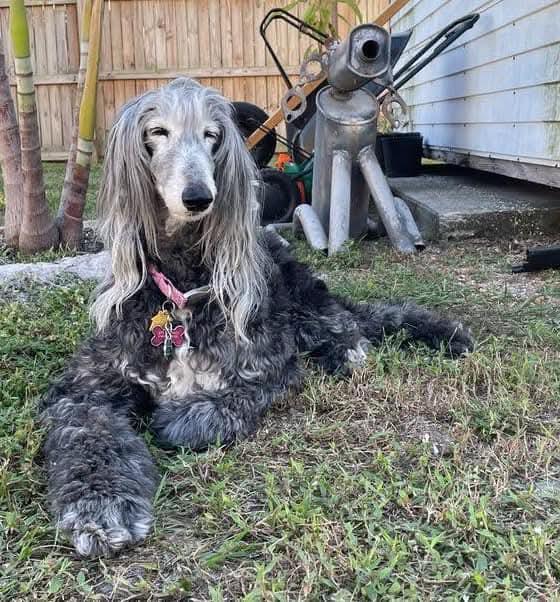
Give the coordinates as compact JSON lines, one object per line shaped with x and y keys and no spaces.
{"x":495,"y":93}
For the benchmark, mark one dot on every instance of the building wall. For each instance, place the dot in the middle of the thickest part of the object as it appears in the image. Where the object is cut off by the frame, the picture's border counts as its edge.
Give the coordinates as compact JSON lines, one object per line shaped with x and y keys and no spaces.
{"x":491,"y":100}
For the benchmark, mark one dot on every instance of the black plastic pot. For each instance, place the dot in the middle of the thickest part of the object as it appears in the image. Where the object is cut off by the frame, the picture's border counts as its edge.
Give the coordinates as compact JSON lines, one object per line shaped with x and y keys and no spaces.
{"x":399,"y":154}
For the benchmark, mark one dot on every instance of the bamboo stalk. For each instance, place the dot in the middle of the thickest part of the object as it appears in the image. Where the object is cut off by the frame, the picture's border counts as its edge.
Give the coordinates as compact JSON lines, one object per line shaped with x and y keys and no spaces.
{"x":71,"y":229}
{"x":38,"y":231}
{"x":84,"y":50}
{"x":10,"y":159}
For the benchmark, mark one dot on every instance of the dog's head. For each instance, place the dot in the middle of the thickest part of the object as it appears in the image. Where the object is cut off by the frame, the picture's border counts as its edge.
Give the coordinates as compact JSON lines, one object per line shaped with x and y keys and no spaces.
{"x":174,"y":157}
{"x":176,"y":151}
{"x":183,"y":139}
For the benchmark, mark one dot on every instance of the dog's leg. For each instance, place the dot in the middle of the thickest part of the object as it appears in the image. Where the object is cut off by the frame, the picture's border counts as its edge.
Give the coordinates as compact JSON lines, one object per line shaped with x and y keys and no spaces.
{"x":207,"y":418}
{"x":377,"y":320}
{"x":337,"y":334}
{"x":101,"y":475}
{"x":331,"y":339}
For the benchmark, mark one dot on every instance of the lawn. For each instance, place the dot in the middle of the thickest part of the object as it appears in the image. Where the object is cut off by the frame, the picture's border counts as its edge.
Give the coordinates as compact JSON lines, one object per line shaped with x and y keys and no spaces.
{"x":53,"y":174}
{"x":418,"y":478}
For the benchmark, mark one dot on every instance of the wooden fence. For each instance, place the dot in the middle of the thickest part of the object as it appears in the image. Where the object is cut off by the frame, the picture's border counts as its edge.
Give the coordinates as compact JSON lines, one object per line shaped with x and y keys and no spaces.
{"x":148,"y":42}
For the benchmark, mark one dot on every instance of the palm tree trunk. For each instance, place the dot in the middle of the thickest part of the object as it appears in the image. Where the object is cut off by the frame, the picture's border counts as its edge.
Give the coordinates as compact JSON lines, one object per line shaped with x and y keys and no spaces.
{"x":10,"y":159}
{"x":84,"y":49}
{"x":38,"y":231}
{"x":71,"y":229}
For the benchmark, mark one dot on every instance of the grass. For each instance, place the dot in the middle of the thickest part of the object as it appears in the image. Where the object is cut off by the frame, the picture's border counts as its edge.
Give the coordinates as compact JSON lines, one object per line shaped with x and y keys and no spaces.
{"x":53,"y":174}
{"x":418,"y":478}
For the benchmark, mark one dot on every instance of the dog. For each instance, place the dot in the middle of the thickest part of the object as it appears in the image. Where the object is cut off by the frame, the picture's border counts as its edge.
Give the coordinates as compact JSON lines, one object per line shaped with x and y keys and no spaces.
{"x":201,"y":323}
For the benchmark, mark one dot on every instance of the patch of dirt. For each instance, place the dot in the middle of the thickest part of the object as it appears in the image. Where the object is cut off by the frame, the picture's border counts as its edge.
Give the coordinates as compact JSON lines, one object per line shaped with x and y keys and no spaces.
{"x":490,"y":268}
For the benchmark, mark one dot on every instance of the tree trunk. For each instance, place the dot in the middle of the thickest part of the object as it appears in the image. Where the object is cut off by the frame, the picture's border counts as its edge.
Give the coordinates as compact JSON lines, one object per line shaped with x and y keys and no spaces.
{"x":84,"y":49}
{"x":71,"y":229}
{"x":38,"y":231}
{"x":10,"y":159}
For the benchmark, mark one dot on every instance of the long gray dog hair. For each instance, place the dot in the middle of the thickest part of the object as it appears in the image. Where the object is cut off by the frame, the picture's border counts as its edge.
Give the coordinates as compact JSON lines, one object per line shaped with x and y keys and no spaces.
{"x":127,"y":202}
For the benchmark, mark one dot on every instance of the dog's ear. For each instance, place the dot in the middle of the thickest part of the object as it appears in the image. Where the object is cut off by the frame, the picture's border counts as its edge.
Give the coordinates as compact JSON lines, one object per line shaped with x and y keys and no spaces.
{"x":125,"y":207}
{"x":230,"y":241}
{"x":236,"y":172}
{"x":125,"y":203}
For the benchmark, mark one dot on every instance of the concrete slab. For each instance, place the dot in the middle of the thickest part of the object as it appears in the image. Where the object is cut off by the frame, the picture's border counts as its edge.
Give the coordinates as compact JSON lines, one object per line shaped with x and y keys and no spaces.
{"x":450,"y":202}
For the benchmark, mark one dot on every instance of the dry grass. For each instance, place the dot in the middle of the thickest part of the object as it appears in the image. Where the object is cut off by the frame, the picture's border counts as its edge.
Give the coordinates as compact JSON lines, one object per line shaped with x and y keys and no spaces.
{"x":419,"y":478}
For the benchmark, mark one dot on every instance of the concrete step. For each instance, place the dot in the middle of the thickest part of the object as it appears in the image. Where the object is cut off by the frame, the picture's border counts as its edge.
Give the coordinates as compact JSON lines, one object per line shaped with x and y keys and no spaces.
{"x":455,"y":203}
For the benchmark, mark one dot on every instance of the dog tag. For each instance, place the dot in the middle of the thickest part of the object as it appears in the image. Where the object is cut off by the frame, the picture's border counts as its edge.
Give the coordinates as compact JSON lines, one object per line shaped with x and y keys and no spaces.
{"x":164,"y":333}
{"x":162,"y":320}
{"x":167,"y":346}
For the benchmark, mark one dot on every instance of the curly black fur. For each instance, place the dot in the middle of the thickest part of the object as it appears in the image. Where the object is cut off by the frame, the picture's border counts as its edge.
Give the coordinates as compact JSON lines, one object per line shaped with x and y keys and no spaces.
{"x":101,"y":475}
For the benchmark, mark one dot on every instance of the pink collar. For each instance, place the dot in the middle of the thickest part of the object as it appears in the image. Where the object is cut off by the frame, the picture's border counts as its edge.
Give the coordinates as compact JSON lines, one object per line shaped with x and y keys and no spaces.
{"x":171,"y":292}
{"x":167,"y":287}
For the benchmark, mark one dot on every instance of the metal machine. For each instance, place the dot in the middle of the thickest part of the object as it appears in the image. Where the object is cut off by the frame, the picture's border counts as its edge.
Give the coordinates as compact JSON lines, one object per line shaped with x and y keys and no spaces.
{"x":346,"y":170}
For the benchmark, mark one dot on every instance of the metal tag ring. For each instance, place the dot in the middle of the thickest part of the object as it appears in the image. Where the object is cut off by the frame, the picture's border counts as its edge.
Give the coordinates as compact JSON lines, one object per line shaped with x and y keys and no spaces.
{"x":291,"y":114}
{"x":386,"y":108}
{"x":305,"y":74}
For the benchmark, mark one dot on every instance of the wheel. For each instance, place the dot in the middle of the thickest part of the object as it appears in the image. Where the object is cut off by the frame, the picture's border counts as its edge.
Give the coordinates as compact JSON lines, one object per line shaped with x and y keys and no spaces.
{"x":280,"y":196}
{"x":248,"y":118}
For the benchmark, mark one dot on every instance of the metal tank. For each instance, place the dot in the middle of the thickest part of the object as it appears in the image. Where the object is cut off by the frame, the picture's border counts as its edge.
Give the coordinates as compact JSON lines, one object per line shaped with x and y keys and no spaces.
{"x":345,"y":170}
{"x":349,"y":124}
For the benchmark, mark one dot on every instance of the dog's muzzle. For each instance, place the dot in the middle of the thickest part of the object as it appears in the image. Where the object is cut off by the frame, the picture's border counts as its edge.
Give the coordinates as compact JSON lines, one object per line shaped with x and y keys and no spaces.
{"x":197,"y":197}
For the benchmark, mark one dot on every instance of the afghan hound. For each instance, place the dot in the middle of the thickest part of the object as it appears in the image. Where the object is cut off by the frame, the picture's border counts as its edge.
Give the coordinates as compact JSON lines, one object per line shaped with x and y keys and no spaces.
{"x":200,"y":324}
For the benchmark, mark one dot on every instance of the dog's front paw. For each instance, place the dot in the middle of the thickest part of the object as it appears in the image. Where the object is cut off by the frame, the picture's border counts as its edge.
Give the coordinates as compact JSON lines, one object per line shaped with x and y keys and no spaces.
{"x":103,"y":526}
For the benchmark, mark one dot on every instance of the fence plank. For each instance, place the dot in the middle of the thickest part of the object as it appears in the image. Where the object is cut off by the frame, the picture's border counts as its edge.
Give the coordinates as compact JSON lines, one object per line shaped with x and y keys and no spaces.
{"x":128,"y":32}
{"x":192,"y":41}
{"x":149,"y":33}
{"x":138,"y":37}
{"x":116,"y":45}
{"x":181,"y":33}
{"x":170,"y":34}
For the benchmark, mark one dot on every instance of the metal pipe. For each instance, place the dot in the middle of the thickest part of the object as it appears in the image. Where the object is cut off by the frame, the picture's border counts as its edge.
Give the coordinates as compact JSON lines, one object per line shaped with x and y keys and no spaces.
{"x":306,"y":219}
{"x":409,"y":223}
{"x":339,"y":220}
{"x":384,"y":201}
{"x":278,"y":226}
{"x":365,"y":54}
{"x":347,"y":126}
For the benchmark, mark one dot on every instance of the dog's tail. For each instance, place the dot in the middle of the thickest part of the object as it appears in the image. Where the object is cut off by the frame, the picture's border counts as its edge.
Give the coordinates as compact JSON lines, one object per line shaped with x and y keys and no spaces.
{"x":377,"y":320}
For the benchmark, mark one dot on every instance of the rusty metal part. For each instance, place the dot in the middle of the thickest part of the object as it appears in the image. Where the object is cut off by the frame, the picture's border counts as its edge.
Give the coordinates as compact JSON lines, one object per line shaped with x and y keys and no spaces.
{"x":306,"y":74}
{"x":297,"y":94}
{"x":390,"y":99}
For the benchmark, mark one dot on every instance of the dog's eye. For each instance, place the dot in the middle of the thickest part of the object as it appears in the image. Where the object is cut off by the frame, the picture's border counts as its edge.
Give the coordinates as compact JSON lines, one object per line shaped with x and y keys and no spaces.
{"x":159,"y":132}
{"x":211,"y":135}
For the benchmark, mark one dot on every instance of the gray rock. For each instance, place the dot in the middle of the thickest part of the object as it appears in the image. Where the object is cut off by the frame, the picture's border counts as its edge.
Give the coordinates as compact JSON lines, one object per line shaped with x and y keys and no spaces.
{"x":88,"y":266}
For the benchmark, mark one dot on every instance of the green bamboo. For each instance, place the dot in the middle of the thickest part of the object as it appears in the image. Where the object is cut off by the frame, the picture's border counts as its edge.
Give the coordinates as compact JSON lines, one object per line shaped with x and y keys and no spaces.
{"x":71,"y":229}
{"x":38,"y":231}
{"x":84,"y":50}
{"x":10,"y":159}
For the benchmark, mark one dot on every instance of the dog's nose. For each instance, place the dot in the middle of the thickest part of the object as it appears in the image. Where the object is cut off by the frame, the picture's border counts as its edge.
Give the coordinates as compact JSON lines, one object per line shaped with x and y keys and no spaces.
{"x":197,"y":197}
